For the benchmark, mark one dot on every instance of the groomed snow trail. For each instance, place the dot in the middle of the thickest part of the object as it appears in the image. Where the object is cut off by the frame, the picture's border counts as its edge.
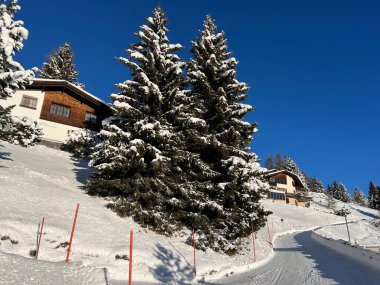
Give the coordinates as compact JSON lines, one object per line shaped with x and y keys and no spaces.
{"x":299,"y":259}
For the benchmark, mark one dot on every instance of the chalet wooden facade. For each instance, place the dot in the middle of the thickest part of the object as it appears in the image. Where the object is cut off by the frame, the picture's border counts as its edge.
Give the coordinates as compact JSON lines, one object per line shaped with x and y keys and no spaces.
{"x":58,"y":106}
{"x":287,"y":187}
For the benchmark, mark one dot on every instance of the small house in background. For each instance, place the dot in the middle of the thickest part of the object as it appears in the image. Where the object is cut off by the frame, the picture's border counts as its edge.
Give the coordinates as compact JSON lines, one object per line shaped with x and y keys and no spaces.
{"x":286,"y":187}
{"x":58,"y":106}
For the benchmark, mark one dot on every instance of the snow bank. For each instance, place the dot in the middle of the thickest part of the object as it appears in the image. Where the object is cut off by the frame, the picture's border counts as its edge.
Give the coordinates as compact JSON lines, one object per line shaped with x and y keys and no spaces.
{"x":369,"y":258}
{"x":19,"y":270}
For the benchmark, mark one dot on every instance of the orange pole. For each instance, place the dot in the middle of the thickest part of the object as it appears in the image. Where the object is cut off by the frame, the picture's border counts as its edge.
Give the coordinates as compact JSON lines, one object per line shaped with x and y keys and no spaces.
{"x":253,"y":244}
{"x":72,"y":234}
{"x":195,"y":261}
{"x":130,"y":256}
{"x":39,"y":239}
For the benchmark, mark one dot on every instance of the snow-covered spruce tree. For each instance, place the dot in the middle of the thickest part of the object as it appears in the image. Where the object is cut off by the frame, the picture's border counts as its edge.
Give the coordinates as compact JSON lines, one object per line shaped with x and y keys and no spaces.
{"x":269,"y":164}
{"x":359,"y":197}
{"x":60,"y":65}
{"x":338,"y":191}
{"x":12,"y":33}
{"x":142,"y":160}
{"x":12,"y":75}
{"x":290,"y":165}
{"x":219,"y":96}
{"x":315,"y":185}
{"x":80,"y":143}
{"x":372,"y":195}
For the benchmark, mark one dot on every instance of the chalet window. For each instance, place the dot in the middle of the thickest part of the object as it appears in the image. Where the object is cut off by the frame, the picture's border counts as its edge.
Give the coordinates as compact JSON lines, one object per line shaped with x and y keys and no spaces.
{"x":90,"y":118}
{"x":281,"y":180}
{"x":29,"y":102}
{"x":60,"y":110}
{"x":276,"y":195}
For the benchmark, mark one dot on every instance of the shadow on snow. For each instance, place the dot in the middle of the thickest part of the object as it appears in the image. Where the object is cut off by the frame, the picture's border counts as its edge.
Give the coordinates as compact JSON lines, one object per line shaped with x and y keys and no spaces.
{"x":171,"y":270}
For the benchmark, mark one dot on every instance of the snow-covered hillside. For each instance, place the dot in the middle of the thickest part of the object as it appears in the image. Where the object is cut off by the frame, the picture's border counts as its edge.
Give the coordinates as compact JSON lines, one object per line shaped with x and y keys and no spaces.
{"x":38,"y":181}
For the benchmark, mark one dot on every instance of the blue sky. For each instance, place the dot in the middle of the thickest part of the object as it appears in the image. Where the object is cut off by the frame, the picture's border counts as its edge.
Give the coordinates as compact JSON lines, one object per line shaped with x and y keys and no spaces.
{"x":314,"y":68}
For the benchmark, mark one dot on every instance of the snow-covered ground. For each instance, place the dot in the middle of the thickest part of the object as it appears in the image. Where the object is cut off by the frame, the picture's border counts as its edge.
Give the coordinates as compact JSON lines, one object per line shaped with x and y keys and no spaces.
{"x":40,"y":181}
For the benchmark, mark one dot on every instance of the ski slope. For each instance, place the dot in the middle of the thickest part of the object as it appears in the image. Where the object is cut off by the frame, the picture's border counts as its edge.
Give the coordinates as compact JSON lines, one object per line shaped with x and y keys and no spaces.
{"x":39,"y":181}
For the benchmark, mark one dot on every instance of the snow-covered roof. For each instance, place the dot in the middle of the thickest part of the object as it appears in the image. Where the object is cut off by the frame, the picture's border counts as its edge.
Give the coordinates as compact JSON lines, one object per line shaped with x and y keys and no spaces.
{"x":274,"y":172}
{"x":37,"y":82}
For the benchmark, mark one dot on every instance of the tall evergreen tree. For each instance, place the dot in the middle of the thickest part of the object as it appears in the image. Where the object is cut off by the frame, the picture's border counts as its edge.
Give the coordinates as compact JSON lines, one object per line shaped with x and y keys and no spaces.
{"x":60,"y":65}
{"x":219,"y":96}
{"x":338,"y":191}
{"x":269,"y":164}
{"x":279,"y":164}
{"x":359,"y":197}
{"x":12,"y":75}
{"x":372,"y":195}
{"x":12,"y":33}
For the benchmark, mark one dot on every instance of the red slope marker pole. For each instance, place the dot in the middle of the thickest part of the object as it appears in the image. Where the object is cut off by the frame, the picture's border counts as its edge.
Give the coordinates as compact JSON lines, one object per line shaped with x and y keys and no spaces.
{"x":253,"y":244}
{"x":39,"y":239}
{"x":130,"y":256}
{"x":72,"y":234}
{"x":270,"y":241}
{"x":195,"y":261}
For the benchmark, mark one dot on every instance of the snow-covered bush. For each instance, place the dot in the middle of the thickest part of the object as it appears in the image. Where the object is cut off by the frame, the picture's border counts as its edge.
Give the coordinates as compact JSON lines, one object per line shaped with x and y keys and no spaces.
{"x":343,"y":212}
{"x":80,"y":143}
{"x":22,"y":131}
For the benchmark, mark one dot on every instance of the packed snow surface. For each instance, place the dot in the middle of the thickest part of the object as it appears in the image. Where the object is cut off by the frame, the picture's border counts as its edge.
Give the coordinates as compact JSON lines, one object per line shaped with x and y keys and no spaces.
{"x":41,"y":182}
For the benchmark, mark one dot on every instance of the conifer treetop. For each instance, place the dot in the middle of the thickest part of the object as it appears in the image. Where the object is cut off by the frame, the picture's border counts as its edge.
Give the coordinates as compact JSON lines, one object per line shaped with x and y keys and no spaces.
{"x":60,"y":65}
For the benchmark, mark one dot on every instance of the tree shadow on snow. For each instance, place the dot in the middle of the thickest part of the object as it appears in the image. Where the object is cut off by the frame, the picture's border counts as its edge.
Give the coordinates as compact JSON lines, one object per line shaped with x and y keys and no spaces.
{"x":171,"y":270}
{"x":4,"y":156}
{"x":371,"y":215}
{"x":333,"y":265}
{"x":82,"y":170}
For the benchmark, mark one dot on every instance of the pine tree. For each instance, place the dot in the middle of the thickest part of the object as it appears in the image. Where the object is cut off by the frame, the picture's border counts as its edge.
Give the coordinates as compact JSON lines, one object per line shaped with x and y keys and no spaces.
{"x":12,"y":75}
{"x":60,"y":65}
{"x":219,"y":96}
{"x":315,"y":185}
{"x":144,"y":160}
{"x":279,"y":164}
{"x":269,"y":164}
{"x":12,"y":33}
{"x":359,"y":197}
{"x":372,"y":195}
{"x":338,"y":191}
{"x":290,"y":165}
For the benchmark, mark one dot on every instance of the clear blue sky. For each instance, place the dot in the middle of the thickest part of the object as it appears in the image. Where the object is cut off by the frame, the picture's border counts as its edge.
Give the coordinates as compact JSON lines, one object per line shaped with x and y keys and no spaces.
{"x":314,"y":67}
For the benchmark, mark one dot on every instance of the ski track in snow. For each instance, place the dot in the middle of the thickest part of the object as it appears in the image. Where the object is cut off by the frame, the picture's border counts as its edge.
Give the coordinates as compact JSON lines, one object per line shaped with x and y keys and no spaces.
{"x":300,"y":260}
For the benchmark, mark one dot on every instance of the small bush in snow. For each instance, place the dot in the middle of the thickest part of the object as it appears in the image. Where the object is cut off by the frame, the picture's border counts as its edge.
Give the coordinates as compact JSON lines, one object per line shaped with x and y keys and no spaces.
{"x":80,"y":143}
{"x":343,"y":212}
{"x":21,"y":131}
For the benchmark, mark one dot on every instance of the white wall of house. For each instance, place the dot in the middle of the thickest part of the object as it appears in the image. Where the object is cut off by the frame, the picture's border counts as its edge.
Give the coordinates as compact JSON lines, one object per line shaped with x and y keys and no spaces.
{"x":21,"y":111}
{"x":288,"y":187}
{"x":55,"y":132}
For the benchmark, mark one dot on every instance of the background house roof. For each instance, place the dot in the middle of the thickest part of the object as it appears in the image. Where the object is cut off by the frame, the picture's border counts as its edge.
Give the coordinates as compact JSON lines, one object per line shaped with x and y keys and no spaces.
{"x":41,"y":82}
{"x":274,"y":172}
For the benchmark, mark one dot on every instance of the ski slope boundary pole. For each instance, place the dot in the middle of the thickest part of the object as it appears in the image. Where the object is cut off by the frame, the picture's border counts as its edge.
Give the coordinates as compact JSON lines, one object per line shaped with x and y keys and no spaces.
{"x":270,"y":241}
{"x":72,"y":234}
{"x":253,"y":244}
{"x":130,"y":257}
{"x":195,"y":260}
{"x":39,"y":239}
